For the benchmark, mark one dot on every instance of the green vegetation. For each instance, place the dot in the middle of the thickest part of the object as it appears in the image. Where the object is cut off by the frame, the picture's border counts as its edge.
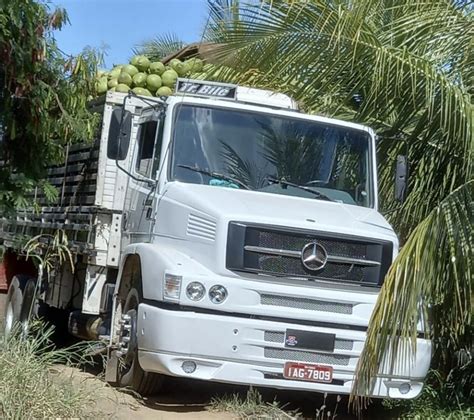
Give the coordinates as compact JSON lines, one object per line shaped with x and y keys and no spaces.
{"x":160,"y":47}
{"x":30,"y":385}
{"x":439,"y":399}
{"x":43,"y":97}
{"x":252,"y":406}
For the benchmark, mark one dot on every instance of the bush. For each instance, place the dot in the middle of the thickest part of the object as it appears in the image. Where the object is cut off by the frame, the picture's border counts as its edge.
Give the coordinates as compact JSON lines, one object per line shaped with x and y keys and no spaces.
{"x":442,"y":398}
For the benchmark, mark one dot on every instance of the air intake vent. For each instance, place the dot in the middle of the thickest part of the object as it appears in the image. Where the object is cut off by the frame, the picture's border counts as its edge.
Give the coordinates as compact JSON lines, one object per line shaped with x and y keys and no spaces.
{"x":201,"y":227}
{"x":306,"y":356}
{"x":306,"y":304}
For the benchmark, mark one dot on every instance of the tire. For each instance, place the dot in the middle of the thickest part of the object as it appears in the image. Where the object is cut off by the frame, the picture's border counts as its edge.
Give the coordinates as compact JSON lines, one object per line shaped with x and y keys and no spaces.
{"x":130,"y":373}
{"x":20,"y":305}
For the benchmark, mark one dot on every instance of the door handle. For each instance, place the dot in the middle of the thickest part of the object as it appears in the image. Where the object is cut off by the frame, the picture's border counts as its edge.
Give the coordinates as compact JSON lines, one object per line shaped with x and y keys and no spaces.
{"x":124,"y":220}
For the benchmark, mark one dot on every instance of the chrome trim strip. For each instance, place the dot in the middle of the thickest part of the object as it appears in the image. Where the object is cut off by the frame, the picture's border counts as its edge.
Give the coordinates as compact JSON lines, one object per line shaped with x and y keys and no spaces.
{"x":357,"y":261}
{"x":297,"y":254}
{"x":273,"y":251}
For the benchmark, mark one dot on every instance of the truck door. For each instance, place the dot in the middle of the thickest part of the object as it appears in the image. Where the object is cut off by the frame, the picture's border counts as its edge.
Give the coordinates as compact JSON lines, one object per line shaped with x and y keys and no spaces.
{"x":138,"y":215}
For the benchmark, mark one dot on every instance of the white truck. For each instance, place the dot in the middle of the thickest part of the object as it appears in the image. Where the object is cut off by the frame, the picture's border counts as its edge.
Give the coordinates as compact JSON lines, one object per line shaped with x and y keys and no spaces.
{"x":217,"y":234}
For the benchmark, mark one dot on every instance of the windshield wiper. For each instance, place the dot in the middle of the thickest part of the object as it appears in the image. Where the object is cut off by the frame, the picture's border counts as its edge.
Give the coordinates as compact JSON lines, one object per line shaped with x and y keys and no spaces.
{"x":215,"y":175}
{"x":301,"y":187}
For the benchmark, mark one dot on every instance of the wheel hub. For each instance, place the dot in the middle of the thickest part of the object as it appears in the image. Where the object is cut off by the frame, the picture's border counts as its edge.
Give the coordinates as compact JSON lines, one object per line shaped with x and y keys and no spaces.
{"x":127,"y":343}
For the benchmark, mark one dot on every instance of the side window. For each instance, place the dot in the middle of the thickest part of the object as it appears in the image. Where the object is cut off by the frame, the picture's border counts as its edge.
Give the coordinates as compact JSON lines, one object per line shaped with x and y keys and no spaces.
{"x":148,"y":153}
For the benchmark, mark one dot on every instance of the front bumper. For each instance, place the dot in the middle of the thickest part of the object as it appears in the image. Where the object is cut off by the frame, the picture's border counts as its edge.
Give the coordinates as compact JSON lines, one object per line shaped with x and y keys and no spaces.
{"x":241,"y":350}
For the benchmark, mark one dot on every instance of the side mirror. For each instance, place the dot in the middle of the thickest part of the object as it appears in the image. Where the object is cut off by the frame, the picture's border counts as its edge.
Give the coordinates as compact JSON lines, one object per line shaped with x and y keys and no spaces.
{"x":119,"y":134}
{"x":401,"y":178}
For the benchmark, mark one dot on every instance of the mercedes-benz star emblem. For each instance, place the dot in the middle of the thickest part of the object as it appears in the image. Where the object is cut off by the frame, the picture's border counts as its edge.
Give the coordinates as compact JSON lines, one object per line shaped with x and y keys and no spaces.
{"x":314,"y":256}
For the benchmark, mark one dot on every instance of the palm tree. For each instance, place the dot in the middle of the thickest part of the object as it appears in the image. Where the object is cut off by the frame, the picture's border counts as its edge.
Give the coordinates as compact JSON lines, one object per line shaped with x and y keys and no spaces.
{"x":404,"y":67}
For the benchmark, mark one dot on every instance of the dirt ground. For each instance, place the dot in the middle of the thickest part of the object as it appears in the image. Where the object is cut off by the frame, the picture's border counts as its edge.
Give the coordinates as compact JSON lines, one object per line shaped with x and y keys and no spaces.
{"x":175,"y":402}
{"x":187,"y":399}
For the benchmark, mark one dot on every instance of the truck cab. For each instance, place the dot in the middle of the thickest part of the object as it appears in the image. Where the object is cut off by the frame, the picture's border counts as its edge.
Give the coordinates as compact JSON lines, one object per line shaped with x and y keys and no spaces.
{"x":253,"y":249}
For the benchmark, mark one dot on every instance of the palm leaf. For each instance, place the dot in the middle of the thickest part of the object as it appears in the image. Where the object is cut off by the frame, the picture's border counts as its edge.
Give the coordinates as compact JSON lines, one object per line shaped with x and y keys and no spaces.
{"x":407,"y":63}
{"x":160,"y":47}
{"x":431,"y":279}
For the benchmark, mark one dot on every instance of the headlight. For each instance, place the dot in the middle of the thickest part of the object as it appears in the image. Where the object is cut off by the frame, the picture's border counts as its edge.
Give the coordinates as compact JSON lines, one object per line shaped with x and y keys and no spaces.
{"x":217,"y":294}
{"x":172,"y":287}
{"x":195,"y":291}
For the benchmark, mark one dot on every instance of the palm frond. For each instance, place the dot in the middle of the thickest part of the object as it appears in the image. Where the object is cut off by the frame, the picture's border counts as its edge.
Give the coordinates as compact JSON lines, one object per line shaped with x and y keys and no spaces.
{"x":431,"y":280}
{"x":402,"y":67}
{"x":160,"y":46}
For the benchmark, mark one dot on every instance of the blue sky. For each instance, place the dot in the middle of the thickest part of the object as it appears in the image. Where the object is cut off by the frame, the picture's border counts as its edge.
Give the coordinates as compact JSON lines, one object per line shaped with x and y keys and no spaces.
{"x":121,"y":24}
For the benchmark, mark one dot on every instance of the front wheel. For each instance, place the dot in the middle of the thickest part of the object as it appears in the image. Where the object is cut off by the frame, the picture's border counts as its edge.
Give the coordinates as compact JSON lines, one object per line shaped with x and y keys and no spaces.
{"x":130,"y":373}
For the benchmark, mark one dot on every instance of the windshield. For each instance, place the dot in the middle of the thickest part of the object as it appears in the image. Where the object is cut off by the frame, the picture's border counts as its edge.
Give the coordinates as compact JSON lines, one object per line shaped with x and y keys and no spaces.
{"x":272,"y":154}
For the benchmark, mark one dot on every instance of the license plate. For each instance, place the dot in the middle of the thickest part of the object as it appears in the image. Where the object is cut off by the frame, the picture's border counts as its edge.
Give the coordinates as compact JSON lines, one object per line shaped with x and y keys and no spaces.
{"x":307,"y":372}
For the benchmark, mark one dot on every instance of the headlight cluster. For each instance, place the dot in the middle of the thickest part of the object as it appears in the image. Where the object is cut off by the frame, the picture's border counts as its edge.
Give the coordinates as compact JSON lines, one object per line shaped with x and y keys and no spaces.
{"x":196,"y":291}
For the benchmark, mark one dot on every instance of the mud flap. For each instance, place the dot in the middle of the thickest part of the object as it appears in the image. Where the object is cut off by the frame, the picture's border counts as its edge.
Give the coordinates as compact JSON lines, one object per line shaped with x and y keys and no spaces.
{"x":111,"y":368}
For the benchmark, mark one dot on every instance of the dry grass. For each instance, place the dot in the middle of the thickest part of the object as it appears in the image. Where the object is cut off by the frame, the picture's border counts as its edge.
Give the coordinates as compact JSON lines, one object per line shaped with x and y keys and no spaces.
{"x":252,"y":406}
{"x":30,"y":386}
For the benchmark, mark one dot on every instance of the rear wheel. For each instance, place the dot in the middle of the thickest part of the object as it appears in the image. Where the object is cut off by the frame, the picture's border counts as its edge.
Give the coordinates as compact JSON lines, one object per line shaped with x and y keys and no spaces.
{"x":130,"y":373}
{"x":21,"y":305}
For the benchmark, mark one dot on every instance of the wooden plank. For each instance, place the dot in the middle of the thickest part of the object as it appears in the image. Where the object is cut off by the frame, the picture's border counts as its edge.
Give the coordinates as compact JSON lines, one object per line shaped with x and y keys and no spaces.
{"x":78,"y":147}
{"x":83,"y":156}
{"x":73,"y":178}
{"x":78,"y":201}
{"x":78,"y":167}
{"x":52,"y":225}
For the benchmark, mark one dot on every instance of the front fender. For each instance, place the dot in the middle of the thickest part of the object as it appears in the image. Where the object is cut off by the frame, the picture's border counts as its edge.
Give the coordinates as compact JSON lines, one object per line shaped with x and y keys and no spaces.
{"x":155,"y":260}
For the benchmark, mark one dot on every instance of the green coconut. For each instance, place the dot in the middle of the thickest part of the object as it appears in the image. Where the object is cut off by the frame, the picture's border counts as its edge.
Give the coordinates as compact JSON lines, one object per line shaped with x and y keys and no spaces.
{"x":164,"y":91}
{"x":195,"y":65}
{"x":142,"y":63}
{"x":115,"y":72}
{"x":131,"y":70}
{"x":181,"y":68}
{"x":134,"y":60}
{"x":122,"y":88}
{"x":112,"y":83}
{"x":139,"y":80}
{"x":174,"y":62}
{"x":141,"y":91}
{"x":168,"y":78}
{"x":157,"y":67}
{"x":153,"y":82}
{"x":101,"y":85}
{"x":125,"y":79}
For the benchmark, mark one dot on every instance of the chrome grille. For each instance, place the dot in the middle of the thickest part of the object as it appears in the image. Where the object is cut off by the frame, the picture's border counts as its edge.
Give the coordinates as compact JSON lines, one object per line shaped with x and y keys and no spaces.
{"x":291,"y":242}
{"x":293,"y":266}
{"x":279,"y":337}
{"x":306,"y":356}
{"x":307,"y":304}
{"x":278,"y":251}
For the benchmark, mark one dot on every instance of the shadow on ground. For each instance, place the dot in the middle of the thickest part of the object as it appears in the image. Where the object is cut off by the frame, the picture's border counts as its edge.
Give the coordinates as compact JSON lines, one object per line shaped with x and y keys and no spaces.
{"x":185,"y":395}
